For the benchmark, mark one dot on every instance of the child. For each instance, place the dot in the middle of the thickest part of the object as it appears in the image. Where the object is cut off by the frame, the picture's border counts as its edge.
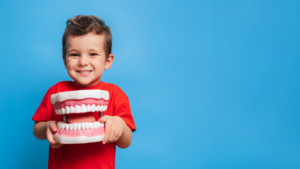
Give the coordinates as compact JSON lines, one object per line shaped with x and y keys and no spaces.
{"x":87,"y":43}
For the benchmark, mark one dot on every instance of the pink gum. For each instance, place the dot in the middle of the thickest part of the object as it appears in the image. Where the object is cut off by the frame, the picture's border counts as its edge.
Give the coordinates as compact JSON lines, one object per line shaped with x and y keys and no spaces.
{"x":73,"y":102}
{"x":75,"y":133}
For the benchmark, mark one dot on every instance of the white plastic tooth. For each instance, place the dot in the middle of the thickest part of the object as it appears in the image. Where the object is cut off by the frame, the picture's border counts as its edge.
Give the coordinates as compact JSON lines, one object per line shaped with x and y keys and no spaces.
{"x":56,"y":111}
{"x":101,"y":124}
{"x":87,"y":126}
{"x":91,"y":125}
{"x":104,"y":108}
{"x":83,"y":108}
{"x":63,"y":111}
{"x":83,"y":126}
{"x":67,"y":126}
{"x":71,"y":126}
{"x":72,"y":110}
{"x":98,"y":124}
{"x":63,"y":126}
{"x":98,"y":108}
{"x":59,"y":125}
{"x":68,"y":110}
{"x":79,"y":126}
{"x":77,"y":109}
{"x":88,"y":108}
{"x":59,"y":111}
{"x":95,"y":125}
{"x":93,"y":108}
{"x":75,"y":126}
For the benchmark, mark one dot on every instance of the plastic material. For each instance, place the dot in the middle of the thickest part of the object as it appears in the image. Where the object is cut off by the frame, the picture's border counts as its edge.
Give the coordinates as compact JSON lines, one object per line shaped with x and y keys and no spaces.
{"x":73,"y":103}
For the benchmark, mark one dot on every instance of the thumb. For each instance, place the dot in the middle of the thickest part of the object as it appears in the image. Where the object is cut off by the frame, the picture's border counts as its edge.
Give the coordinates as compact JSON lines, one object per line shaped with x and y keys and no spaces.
{"x":103,"y":119}
{"x":53,"y":127}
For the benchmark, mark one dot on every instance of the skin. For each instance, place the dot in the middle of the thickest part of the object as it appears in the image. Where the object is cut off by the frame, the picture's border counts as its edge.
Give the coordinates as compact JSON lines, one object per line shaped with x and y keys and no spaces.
{"x":85,"y":62}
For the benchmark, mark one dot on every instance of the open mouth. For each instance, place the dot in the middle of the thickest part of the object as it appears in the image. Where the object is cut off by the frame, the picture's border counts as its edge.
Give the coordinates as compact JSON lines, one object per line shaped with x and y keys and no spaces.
{"x":80,"y":126}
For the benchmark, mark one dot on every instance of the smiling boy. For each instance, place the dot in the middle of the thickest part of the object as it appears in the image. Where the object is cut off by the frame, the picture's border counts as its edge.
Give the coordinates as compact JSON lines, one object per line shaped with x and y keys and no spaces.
{"x":87,"y":45}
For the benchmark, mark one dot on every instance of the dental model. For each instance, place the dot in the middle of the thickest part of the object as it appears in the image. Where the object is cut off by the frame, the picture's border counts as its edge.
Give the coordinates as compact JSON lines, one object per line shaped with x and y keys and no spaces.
{"x":77,"y":104}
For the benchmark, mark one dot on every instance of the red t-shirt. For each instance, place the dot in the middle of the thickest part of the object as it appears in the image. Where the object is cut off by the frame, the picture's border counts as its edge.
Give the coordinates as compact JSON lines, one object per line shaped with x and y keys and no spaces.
{"x":91,"y":155}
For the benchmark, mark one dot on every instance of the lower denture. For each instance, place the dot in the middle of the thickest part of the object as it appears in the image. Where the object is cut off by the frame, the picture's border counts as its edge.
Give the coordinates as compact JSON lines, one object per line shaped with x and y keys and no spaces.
{"x":80,"y":129}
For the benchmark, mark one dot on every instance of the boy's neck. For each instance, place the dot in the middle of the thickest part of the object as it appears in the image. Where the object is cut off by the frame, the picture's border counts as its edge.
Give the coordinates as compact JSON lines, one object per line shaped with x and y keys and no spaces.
{"x":91,"y":85}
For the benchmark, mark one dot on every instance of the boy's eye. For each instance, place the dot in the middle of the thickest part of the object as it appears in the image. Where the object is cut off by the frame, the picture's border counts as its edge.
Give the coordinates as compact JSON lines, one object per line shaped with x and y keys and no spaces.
{"x":74,"y":54}
{"x":94,"y":54}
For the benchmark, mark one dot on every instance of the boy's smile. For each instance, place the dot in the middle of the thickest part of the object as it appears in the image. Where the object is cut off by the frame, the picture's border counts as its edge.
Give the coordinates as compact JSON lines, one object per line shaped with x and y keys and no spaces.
{"x":86,"y":58}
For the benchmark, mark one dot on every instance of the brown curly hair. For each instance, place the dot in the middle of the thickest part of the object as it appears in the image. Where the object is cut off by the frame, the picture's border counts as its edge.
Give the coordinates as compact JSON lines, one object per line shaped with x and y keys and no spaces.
{"x":81,"y":25}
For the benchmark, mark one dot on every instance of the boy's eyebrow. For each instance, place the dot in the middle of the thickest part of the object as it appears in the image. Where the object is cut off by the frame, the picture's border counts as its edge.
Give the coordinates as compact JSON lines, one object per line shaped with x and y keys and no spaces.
{"x":94,"y":50}
{"x":72,"y":50}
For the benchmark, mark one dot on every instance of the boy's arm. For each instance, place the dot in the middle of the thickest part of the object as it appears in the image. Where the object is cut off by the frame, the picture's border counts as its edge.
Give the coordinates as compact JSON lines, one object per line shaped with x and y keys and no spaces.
{"x":45,"y":130}
{"x":117,"y":131}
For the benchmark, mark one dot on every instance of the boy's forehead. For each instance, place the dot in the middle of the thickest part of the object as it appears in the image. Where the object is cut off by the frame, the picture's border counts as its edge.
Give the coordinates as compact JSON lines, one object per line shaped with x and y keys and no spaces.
{"x":90,"y":41}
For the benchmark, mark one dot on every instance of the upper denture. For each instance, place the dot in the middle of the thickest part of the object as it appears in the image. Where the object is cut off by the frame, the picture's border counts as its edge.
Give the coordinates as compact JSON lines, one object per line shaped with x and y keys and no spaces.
{"x":80,"y":101}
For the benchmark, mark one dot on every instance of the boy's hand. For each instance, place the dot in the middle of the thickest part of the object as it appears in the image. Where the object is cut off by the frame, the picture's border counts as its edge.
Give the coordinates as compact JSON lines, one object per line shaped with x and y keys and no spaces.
{"x":51,"y":129}
{"x":114,"y":127}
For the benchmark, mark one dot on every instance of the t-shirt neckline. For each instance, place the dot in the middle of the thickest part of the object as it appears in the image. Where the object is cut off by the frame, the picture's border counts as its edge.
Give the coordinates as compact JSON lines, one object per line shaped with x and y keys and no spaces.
{"x":78,"y":87}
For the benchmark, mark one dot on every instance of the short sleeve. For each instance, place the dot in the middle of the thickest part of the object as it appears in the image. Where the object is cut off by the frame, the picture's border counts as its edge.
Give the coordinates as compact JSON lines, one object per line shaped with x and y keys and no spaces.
{"x":122,"y":109}
{"x":44,"y":111}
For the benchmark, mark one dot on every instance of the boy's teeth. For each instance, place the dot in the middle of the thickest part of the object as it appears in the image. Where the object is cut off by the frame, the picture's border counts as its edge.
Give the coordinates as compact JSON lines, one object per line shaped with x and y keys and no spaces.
{"x":85,"y":72}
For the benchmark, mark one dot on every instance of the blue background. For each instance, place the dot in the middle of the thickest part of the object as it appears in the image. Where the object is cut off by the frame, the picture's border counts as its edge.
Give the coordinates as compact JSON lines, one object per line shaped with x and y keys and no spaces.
{"x":212,"y":84}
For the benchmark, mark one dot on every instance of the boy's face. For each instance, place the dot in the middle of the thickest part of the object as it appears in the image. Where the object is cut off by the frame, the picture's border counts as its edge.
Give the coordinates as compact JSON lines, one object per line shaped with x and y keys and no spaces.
{"x":86,"y":58}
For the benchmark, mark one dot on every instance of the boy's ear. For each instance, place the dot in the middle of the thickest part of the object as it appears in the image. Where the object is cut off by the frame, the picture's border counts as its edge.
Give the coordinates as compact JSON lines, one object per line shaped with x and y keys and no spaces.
{"x":109,"y":61}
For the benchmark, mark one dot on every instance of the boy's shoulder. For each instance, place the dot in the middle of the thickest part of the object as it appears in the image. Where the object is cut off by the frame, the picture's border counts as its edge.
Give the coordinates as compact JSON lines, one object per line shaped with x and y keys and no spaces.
{"x":113,"y":89}
{"x":110,"y":86}
{"x":61,"y":86}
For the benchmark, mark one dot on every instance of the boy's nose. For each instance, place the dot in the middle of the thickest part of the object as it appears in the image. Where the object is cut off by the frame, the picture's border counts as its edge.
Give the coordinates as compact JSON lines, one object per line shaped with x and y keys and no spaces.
{"x":83,"y":61}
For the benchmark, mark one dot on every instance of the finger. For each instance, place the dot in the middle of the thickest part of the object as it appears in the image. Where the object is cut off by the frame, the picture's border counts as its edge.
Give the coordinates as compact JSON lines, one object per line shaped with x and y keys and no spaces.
{"x":58,"y":145}
{"x":50,"y":137}
{"x":115,"y":137}
{"x":107,"y":135}
{"x":112,"y":136}
{"x":103,"y":119}
{"x":53,"y":127}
